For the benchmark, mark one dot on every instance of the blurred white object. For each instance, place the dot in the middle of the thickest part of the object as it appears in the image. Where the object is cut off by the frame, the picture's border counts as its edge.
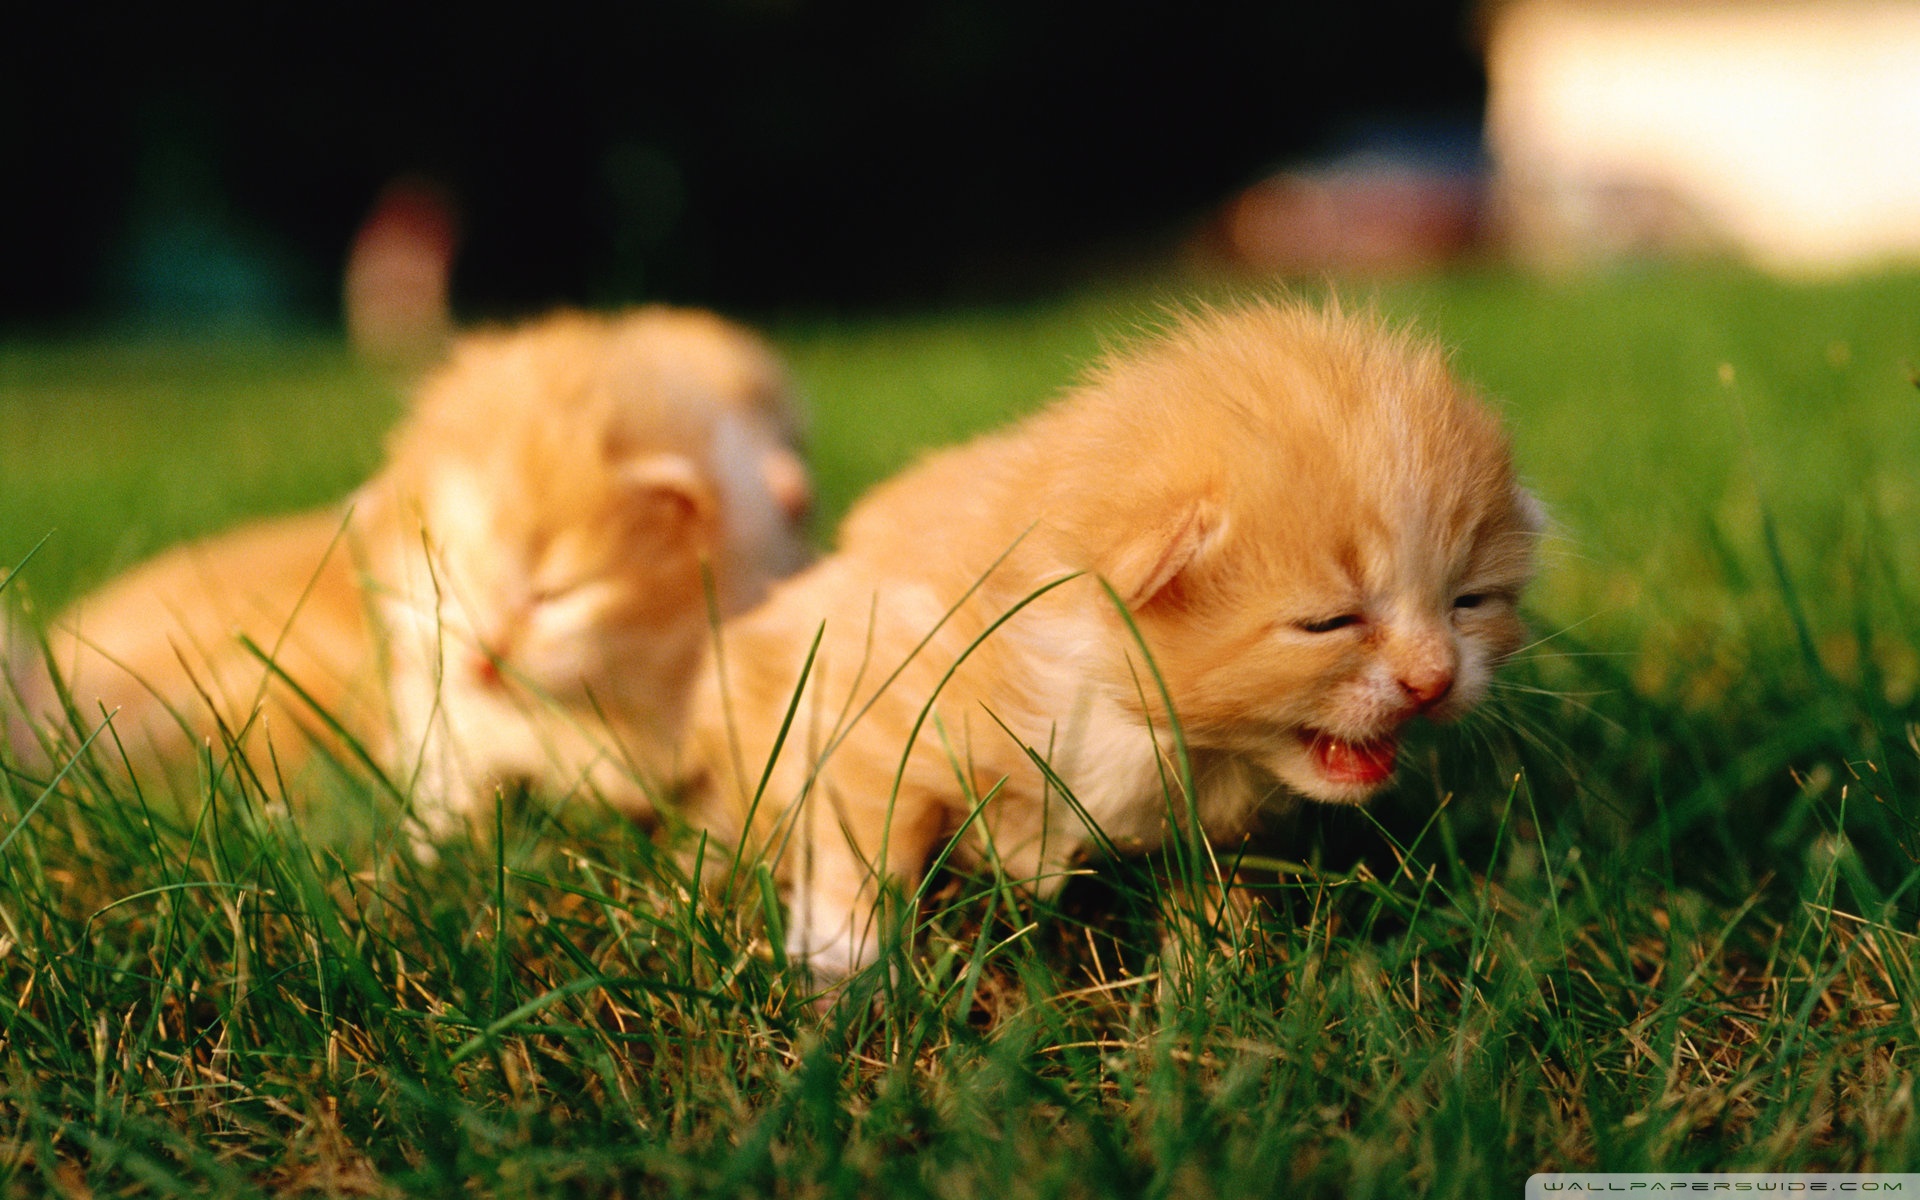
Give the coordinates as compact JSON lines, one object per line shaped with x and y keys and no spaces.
{"x":1785,"y":132}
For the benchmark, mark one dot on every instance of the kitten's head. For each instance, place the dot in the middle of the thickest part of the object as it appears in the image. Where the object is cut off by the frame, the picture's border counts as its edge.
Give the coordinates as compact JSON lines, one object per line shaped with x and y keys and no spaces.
{"x":1319,"y":535}
{"x":575,"y":478}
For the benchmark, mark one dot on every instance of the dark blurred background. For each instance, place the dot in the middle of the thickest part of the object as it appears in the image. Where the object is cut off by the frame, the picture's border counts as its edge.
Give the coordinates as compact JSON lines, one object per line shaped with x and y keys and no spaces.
{"x":173,"y":163}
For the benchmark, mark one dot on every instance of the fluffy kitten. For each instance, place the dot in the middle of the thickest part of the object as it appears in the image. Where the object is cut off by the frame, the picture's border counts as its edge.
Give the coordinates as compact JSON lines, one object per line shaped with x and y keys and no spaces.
{"x":518,"y":594}
{"x":542,"y":539}
{"x":1315,"y":528}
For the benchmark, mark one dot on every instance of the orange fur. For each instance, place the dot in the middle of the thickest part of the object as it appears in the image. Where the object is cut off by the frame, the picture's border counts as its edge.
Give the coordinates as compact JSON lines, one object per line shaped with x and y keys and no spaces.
{"x":518,"y":594}
{"x":1316,"y":530}
{"x":159,"y":648}
{"x":540,"y":541}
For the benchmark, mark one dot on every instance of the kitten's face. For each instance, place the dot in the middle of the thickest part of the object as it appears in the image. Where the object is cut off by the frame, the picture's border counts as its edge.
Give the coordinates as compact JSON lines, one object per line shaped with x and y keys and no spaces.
{"x":554,"y":592}
{"x":574,"y":479}
{"x":1312,"y":662}
{"x":1334,"y":544}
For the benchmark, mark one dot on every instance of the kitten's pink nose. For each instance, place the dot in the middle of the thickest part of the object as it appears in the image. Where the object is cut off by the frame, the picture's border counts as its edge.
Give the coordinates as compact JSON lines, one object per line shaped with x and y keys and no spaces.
{"x":486,"y":668}
{"x":1427,"y":687}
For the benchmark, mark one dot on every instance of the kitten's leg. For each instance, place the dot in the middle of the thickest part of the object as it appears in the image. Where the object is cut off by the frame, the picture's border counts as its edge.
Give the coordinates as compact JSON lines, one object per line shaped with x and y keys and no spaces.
{"x":625,"y":795}
{"x":1210,"y":917}
{"x":435,"y":817}
{"x":427,"y":761}
{"x":848,"y":860}
{"x":442,"y":801}
{"x":1210,"y":930}
{"x":622,"y":769}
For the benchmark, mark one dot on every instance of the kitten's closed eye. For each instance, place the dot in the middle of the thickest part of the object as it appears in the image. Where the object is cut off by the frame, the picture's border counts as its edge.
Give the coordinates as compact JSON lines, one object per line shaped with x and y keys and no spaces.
{"x":1328,"y":624}
{"x":1466,"y":600}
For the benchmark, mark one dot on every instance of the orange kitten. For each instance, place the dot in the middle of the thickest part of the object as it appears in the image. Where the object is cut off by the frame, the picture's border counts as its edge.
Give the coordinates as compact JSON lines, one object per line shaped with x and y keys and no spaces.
{"x":540,"y":543}
{"x":518,"y":594}
{"x":1315,"y":528}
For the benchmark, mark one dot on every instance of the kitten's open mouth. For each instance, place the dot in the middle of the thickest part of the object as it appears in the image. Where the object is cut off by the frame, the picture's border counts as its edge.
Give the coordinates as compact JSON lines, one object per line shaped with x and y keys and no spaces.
{"x":1364,"y":763}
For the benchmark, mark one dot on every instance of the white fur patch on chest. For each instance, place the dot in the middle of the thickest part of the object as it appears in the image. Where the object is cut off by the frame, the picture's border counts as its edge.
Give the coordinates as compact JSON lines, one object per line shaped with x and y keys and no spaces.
{"x":1111,"y":763}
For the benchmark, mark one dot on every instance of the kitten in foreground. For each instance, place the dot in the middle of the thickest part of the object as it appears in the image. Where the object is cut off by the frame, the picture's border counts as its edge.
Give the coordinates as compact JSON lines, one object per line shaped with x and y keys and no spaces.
{"x":517,"y":595}
{"x":1316,"y":530}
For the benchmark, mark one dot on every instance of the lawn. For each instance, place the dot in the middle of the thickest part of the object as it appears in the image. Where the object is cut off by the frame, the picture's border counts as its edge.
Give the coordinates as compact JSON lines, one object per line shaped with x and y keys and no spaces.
{"x":1656,"y":907}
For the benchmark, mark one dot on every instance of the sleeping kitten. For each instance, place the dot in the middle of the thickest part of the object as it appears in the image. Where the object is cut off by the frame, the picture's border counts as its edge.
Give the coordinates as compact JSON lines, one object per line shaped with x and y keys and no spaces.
{"x":1315,"y":528}
{"x":518,"y":594}
{"x":541,"y":541}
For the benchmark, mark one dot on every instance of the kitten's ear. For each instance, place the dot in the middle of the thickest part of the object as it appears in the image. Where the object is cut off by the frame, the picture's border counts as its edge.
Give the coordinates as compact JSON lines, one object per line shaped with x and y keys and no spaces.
{"x":1145,"y":567}
{"x":671,"y":480}
{"x":1533,"y":514}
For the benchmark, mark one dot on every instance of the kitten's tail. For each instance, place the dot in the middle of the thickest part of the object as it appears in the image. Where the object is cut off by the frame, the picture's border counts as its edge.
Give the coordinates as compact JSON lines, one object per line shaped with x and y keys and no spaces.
{"x":26,"y":689}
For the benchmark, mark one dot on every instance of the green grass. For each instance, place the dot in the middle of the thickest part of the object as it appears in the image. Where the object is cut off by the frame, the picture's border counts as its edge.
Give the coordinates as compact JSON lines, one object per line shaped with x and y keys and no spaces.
{"x":1656,"y":908}
{"x":119,"y":449}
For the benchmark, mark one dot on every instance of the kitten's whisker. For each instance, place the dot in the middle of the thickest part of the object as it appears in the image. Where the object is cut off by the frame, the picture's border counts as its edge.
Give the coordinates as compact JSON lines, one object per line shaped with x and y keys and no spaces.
{"x":1563,"y":631}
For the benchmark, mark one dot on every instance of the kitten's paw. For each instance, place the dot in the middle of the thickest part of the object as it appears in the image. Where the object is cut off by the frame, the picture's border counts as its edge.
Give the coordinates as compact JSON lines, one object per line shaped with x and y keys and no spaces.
{"x":433,"y":820}
{"x":832,"y":960}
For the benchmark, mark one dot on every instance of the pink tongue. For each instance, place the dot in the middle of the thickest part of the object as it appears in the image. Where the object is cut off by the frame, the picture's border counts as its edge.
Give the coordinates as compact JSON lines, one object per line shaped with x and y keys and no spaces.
{"x":1355,"y":762}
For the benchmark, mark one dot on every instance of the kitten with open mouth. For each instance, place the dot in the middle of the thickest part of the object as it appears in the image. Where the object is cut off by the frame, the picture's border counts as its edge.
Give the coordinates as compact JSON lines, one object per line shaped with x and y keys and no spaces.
{"x":1296,"y":522}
